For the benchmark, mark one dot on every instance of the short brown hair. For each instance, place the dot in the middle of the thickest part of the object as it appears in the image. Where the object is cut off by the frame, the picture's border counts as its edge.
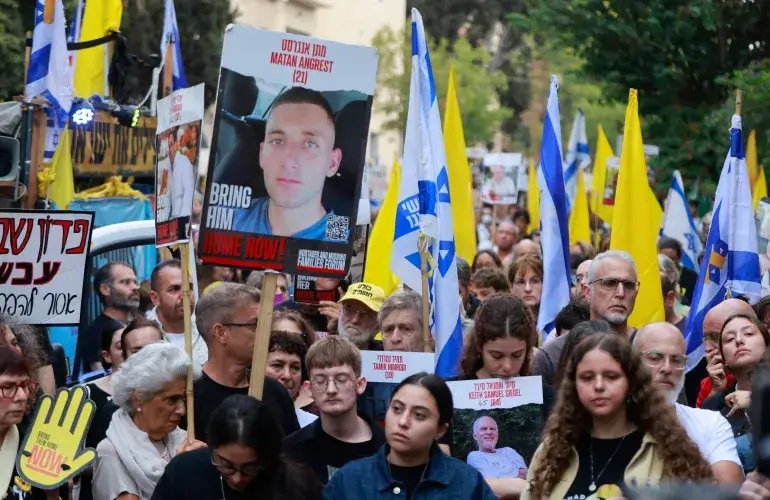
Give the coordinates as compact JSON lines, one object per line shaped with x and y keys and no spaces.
{"x":135,"y":324}
{"x":333,"y":351}
{"x":296,"y":317}
{"x":525,"y":263}
{"x":487,"y":277}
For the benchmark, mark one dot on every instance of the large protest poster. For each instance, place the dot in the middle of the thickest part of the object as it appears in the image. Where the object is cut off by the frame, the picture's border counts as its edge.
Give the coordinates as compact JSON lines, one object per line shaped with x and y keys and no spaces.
{"x":288,"y":151}
{"x":42,"y":264}
{"x":497,"y":424}
{"x":501,"y":178}
{"x":179,"y":137}
{"x":383,"y":371}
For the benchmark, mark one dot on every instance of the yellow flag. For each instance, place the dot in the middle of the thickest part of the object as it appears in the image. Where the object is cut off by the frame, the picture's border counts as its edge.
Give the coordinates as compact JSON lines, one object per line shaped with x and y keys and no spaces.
{"x":760,"y":190}
{"x":60,"y":184}
{"x":635,"y":224}
{"x":533,"y":198}
{"x":100,"y":17}
{"x":460,"y":183}
{"x":751,"y":160}
{"x":603,"y":151}
{"x":579,"y":221}
{"x":377,"y":270}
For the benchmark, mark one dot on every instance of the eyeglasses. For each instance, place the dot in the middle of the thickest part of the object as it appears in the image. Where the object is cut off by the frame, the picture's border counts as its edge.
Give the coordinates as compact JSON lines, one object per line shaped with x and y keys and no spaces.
{"x":578,"y":279}
{"x":10,"y":389}
{"x":534,"y":282}
{"x":365,"y":314}
{"x":711,"y":337}
{"x":657,"y":358}
{"x":321,"y":384}
{"x":611,"y":284}
{"x":252,"y":325}
{"x":250,"y":470}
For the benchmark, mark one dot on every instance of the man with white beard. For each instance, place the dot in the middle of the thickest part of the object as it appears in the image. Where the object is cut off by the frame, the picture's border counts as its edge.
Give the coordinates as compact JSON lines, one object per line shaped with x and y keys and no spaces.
{"x":358,"y":315}
{"x":662,"y":349}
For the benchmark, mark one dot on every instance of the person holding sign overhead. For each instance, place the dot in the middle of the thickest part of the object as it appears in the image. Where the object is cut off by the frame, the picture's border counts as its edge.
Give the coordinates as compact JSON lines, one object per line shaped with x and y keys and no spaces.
{"x":296,"y":157}
{"x":611,"y":428}
{"x":411,"y":462}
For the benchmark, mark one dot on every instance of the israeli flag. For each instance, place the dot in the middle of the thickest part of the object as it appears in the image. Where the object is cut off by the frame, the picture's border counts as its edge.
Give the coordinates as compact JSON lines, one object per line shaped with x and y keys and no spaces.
{"x":577,"y":157}
{"x":731,"y":262}
{"x":424,"y":208}
{"x":49,"y":75}
{"x":170,"y":29}
{"x":679,"y":224}
{"x":554,"y":228}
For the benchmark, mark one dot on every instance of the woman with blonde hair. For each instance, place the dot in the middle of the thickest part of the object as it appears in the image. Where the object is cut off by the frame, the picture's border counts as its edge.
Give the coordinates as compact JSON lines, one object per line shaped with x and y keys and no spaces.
{"x":610,"y":429}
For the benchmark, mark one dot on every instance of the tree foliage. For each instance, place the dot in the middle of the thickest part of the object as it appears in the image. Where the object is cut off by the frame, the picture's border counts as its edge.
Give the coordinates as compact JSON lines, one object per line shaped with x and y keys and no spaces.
{"x":675,"y":53}
{"x":12,"y":49}
{"x":477,"y":88}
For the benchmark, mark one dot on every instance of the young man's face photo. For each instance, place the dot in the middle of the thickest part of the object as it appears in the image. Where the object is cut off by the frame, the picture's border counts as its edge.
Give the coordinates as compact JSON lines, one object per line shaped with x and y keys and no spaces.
{"x":298,"y":154}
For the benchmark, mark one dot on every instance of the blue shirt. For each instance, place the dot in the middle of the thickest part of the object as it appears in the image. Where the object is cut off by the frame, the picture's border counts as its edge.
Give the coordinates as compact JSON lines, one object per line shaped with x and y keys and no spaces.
{"x":255,"y":220}
{"x":446,"y":479}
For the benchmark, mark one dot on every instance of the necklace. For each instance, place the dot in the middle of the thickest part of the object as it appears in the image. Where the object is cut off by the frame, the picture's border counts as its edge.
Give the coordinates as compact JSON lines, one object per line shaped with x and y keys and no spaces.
{"x":422,"y":476}
{"x":592,"y":486}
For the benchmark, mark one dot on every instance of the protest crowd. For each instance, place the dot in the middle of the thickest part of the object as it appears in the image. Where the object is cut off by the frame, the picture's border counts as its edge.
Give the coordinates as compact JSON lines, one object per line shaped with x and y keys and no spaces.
{"x":491,"y":345}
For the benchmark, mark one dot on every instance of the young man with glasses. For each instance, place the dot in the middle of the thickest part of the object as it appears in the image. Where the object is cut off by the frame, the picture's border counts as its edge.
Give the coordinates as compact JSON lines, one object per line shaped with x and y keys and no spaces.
{"x":227,"y":318}
{"x":358,"y":315}
{"x":341,"y":434}
{"x":662,"y":349}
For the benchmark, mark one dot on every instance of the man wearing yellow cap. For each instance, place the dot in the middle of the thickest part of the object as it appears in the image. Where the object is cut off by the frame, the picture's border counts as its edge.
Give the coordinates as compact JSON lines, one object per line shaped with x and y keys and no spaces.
{"x":358,"y":317}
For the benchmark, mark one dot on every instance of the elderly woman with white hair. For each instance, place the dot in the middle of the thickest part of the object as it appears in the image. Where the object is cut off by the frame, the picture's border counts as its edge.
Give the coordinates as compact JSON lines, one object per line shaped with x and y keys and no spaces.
{"x":143,"y":435}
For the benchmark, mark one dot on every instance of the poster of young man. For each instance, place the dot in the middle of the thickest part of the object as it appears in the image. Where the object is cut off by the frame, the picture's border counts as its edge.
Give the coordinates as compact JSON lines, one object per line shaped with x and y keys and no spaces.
{"x":384,"y":371}
{"x":285,"y":173}
{"x":43,"y":264}
{"x":501,"y":178}
{"x":179,"y":123}
{"x":497,"y":424}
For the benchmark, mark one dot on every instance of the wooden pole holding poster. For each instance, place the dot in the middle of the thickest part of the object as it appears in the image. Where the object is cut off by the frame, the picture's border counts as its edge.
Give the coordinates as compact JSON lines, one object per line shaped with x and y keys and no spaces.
{"x":27,"y":55}
{"x":264,"y":324}
{"x":185,"y":255}
{"x":423,"y":248}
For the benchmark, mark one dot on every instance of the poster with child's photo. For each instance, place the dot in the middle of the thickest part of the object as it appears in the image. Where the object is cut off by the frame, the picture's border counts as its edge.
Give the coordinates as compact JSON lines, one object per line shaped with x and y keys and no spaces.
{"x":497,"y":423}
{"x":383,"y":371}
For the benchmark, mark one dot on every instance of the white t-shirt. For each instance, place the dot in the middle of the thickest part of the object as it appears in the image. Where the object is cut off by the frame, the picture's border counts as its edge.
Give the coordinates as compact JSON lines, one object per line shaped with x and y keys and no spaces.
{"x":711,"y":432}
{"x":181,"y":186}
{"x":504,"y":462}
{"x":305,"y":417}
{"x":175,"y":338}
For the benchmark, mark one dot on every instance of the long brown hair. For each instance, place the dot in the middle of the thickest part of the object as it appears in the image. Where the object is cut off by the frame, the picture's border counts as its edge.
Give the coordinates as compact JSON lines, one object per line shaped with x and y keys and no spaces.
{"x":500,"y":316}
{"x":646,"y":408}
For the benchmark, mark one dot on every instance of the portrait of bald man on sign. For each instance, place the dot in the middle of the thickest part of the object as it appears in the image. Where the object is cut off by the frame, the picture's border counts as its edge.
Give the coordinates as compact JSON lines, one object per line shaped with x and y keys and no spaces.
{"x":296,"y":157}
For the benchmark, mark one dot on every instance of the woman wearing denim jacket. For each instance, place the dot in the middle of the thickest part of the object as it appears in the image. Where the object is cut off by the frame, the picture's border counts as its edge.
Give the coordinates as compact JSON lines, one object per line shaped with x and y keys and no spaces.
{"x":411,"y":465}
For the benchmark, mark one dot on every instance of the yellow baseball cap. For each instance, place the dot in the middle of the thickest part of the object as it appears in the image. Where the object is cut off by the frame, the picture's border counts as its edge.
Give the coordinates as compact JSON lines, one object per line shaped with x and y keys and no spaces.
{"x":371,"y":295}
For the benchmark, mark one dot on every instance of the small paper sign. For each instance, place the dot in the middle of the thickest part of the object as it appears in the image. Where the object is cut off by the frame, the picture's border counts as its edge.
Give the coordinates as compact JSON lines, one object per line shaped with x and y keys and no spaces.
{"x":497,"y":393}
{"x":393,"y":367}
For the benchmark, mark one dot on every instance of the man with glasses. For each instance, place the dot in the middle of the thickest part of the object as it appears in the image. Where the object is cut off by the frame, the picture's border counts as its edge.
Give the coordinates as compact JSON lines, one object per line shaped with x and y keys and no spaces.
{"x":116,"y":286}
{"x":358,"y":315}
{"x":611,"y":289}
{"x":227,"y":317}
{"x":662,"y":349}
{"x":341,"y":434}
{"x":400,"y":320}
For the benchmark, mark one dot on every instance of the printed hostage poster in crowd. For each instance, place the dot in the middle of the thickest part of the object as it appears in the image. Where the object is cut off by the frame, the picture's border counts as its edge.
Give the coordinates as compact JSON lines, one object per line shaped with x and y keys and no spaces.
{"x":611,"y":180}
{"x":42,"y":264}
{"x":287,"y":156}
{"x":383,"y":371}
{"x":312,"y":291}
{"x":497,"y":424}
{"x":179,"y":137}
{"x":501,"y":178}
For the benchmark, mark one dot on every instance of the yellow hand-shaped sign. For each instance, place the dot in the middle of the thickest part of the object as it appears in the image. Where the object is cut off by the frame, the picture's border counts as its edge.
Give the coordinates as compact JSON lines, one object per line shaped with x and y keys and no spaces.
{"x":52,"y":450}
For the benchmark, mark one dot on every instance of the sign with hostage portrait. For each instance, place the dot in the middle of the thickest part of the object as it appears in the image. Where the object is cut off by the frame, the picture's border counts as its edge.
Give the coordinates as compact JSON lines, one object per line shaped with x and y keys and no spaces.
{"x":287,"y":158}
{"x":496,"y":425}
{"x":42,"y":264}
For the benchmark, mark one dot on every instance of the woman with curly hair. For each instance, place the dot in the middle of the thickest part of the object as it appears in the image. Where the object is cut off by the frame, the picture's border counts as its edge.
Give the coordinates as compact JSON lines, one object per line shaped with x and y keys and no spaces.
{"x":501,"y":345}
{"x":610,"y":428}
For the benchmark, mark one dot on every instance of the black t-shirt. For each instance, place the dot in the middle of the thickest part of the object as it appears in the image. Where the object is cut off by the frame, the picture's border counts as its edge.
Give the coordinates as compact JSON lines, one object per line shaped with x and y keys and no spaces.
{"x":410,"y":477}
{"x":549,"y":398}
{"x":324,"y":454}
{"x":610,"y":459}
{"x":687,"y":281}
{"x":210,"y":394}
{"x":89,"y":346}
{"x":191,"y":475}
